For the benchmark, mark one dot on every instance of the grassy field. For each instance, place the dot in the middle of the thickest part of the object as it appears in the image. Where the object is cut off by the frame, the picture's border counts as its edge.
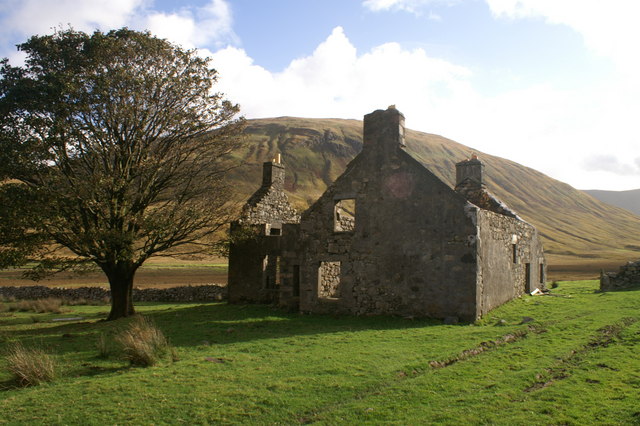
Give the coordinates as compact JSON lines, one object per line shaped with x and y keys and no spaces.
{"x":574,"y":360}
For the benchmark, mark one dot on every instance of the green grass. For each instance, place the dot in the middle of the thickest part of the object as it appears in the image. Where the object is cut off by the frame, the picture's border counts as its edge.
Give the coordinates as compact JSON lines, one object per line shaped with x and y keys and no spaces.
{"x":577,"y":363}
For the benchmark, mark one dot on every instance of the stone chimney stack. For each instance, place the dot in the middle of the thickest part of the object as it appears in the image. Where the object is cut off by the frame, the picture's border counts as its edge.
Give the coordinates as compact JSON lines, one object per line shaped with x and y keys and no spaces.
{"x":383,"y":130}
{"x":471,"y":171}
{"x":273,"y":173}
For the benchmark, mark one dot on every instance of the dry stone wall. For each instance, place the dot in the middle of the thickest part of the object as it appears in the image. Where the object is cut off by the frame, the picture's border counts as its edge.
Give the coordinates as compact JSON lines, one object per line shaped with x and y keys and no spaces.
{"x":627,"y":277}
{"x":204,"y":293}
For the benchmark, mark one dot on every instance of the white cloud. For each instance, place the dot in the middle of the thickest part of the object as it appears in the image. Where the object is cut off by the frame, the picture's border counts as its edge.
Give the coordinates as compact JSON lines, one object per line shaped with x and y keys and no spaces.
{"x":612,"y":164}
{"x":609,"y":28}
{"x":411,"y":6}
{"x":337,"y":82}
{"x":27,"y":17}
{"x":554,"y":131}
{"x":598,"y":119}
{"x":189,"y":26}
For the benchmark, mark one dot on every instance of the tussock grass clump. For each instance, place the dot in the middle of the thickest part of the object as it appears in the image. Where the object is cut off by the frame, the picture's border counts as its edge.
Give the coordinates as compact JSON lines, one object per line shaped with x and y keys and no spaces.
{"x":39,"y":306}
{"x":30,"y":366}
{"x":143,"y":343}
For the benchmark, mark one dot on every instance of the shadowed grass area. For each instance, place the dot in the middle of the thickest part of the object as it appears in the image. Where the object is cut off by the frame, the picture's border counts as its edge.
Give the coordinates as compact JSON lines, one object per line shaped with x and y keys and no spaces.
{"x":575,"y":363}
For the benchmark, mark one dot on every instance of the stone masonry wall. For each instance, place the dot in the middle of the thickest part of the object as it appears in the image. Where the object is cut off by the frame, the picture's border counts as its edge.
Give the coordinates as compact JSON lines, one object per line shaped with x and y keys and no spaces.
{"x":482,"y":198}
{"x":270,"y":204}
{"x":204,"y":293}
{"x":627,"y":277}
{"x":506,"y":247}
{"x":329,"y":280}
{"x":409,"y":252}
{"x":255,"y":269}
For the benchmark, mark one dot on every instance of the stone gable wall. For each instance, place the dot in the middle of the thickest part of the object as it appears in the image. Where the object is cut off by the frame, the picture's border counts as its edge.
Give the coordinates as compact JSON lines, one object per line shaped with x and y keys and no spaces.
{"x":409,"y":252}
{"x":256,"y":269}
{"x":271,"y":205}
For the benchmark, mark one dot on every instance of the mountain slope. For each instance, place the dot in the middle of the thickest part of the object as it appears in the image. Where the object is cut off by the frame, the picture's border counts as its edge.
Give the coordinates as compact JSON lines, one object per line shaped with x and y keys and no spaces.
{"x":576,"y":227}
{"x":629,"y":200}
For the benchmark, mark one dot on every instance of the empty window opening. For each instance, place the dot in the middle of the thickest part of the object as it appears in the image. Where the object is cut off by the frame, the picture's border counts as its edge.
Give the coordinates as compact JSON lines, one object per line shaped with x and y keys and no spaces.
{"x":329,"y":280}
{"x":344,"y":215}
{"x":514,"y":252}
{"x":527,"y":277}
{"x":275,"y":231}
{"x":542,"y":277}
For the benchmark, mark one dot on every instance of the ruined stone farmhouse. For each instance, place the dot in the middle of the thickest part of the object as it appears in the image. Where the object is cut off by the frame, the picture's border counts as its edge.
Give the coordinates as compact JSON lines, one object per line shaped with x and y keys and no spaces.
{"x":388,"y":237}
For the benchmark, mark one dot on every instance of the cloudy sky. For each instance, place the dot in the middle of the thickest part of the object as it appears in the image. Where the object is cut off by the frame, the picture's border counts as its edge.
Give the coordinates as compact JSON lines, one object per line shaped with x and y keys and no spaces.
{"x":551,"y":84}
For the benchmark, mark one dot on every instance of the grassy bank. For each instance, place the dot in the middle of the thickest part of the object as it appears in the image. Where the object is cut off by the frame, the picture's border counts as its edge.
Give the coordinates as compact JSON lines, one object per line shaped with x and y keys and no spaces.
{"x":574,"y":360}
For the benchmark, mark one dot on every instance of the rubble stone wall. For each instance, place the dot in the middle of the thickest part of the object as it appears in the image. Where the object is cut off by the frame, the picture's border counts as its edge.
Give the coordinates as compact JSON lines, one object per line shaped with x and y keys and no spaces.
{"x":510,"y":258}
{"x":204,"y":293}
{"x":329,"y":280}
{"x":628,"y":276}
{"x":255,"y":270}
{"x":409,"y":252}
{"x":270,"y":204}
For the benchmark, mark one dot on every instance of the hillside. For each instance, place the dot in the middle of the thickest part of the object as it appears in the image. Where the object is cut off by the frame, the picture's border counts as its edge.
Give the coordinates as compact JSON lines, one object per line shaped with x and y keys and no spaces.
{"x":629,"y":200}
{"x":577,"y":228}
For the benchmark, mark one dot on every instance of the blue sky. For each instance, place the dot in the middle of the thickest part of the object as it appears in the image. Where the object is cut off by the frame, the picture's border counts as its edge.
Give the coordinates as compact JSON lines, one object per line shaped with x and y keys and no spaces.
{"x":551,"y":84}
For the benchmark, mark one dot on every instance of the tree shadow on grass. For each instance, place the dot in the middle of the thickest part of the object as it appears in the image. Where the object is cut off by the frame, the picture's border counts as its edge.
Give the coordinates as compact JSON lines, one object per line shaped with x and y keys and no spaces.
{"x":214,"y":323}
{"x":226,"y":324}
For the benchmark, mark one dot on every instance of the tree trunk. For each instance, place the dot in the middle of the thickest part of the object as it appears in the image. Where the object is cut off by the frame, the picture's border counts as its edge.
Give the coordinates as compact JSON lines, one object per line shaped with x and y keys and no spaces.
{"x":121,"y":284}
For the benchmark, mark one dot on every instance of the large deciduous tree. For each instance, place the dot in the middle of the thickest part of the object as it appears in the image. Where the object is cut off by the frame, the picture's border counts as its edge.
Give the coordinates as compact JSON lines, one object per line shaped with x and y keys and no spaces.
{"x":113,"y":146}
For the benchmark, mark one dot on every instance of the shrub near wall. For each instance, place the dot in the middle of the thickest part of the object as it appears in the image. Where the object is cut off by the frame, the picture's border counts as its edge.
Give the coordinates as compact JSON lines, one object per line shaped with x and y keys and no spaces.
{"x":204,"y":293}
